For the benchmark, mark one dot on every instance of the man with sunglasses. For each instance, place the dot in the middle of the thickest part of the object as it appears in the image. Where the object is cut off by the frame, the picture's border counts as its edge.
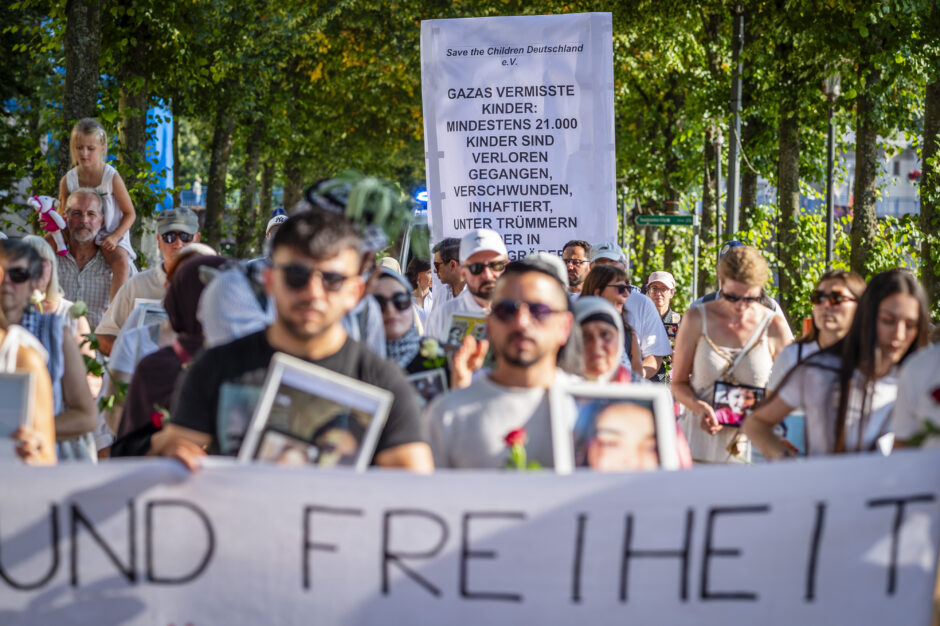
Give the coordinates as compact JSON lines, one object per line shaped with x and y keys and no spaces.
{"x":446,"y":264}
{"x":529,"y":323}
{"x":483,"y":257}
{"x":176,"y":229}
{"x":314,"y":280}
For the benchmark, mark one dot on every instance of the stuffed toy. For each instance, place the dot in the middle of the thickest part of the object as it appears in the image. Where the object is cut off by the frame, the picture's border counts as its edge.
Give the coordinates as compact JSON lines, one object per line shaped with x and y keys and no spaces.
{"x":51,"y":221}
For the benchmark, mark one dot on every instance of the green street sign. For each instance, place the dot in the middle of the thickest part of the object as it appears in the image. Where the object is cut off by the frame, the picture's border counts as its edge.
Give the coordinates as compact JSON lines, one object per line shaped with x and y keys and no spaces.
{"x":665,"y":220}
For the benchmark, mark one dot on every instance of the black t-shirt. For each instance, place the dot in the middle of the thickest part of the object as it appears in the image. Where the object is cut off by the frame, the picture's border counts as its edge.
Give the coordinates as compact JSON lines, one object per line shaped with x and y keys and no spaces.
{"x":245,"y":362}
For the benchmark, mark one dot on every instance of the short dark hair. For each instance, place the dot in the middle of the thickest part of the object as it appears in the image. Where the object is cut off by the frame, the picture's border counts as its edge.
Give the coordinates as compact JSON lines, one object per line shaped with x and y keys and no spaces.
{"x":318,"y":234}
{"x":580,"y":243}
{"x":15,"y":249}
{"x":449,"y":249}
{"x":415,"y":266}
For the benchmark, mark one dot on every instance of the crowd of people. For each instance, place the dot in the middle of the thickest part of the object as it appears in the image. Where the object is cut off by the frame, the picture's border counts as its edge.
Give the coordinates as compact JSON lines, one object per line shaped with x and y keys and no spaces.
{"x":177,"y":342}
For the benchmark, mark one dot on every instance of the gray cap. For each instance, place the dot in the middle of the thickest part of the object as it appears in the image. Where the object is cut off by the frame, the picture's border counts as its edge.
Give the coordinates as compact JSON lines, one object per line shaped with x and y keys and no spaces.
{"x":550,"y":264}
{"x":179,"y":219}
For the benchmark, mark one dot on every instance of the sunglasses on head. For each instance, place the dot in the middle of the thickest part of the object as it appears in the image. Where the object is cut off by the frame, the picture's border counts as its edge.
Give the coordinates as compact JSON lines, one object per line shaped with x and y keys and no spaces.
{"x":732,"y":298}
{"x":496,"y":267}
{"x":621,"y":289}
{"x":171,"y":236}
{"x":18,"y":274}
{"x":297,"y":276}
{"x":506,"y":310}
{"x":401,"y":301}
{"x":834,"y":298}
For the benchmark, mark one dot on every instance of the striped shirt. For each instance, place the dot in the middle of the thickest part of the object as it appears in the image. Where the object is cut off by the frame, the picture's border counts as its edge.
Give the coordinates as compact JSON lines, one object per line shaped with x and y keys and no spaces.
{"x":90,"y":284}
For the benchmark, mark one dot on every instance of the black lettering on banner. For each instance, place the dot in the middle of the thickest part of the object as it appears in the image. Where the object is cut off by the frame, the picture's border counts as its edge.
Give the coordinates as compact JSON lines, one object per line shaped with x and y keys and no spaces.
{"x":814,"y":552}
{"x":53,"y":567}
{"x":705,"y":592}
{"x":397,"y":557}
{"x":466,"y":554}
{"x":578,"y":557}
{"x":130,"y":570}
{"x":900,"y":504}
{"x":312,"y":545}
{"x":149,"y":529}
{"x":682,"y":554}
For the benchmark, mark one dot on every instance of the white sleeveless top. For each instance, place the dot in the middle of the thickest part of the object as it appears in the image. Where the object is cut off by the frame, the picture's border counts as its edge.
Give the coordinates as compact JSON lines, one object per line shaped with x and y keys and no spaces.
{"x":18,"y":337}
{"x":112,"y":214}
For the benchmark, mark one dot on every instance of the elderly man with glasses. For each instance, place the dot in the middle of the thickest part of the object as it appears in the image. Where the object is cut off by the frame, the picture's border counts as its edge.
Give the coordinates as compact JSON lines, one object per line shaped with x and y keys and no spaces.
{"x":176,"y":229}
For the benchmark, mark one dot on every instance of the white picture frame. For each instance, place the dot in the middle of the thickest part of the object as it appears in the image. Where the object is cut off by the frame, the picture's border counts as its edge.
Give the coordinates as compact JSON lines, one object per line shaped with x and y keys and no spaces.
{"x":288,"y":380}
{"x":16,"y":408}
{"x":428,"y":380}
{"x":461,"y":323}
{"x":568,"y":403}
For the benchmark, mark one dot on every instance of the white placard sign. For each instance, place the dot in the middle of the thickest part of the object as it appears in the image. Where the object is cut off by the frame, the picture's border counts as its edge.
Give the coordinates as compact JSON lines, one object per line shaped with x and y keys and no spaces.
{"x":836,"y":541}
{"x":519,"y":128}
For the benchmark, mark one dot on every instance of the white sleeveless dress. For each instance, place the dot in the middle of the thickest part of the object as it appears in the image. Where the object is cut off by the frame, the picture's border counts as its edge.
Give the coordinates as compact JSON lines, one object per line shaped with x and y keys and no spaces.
{"x":112,"y":214}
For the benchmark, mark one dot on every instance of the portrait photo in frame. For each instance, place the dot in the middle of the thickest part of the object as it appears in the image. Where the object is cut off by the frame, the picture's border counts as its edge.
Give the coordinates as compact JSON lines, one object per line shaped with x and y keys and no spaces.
{"x":617,"y":428}
{"x":310,"y":413}
{"x":428,"y":384}
{"x":733,"y":402}
{"x":16,"y":409}
{"x":459,"y":325}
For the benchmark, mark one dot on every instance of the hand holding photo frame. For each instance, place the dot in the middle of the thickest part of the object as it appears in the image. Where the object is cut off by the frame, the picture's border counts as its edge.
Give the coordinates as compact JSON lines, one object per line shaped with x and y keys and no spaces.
{"x":617,"y":428}
{"x":16,"y":409}
{"x":309,"y":415}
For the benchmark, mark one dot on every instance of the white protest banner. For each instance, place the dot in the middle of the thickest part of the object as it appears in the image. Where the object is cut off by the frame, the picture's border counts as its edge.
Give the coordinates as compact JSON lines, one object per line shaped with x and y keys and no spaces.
{"x":519,"y":128}
{"x":836,"y":541}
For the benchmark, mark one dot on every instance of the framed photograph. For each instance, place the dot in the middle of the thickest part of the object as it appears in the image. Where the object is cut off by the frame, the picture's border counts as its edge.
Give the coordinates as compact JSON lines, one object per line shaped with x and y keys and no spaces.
{"x":306,"y":411}
{"x":461,"y":324}
{"x":732,"y":403}
{"x":616,"y":428}
{"x":16,"y":409}
{"x":429,"y":384}
{"x":152,"y":311}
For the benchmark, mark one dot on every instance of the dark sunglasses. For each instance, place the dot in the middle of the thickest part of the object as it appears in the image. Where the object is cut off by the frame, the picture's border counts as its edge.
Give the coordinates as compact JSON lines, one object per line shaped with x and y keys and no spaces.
{"x":496,"y":267}
{"x":621,"y":289}
{"x":732,"y":298}
{"x":834,"y":298}
{"x":506,"y":310}
{"x":171,"y":236}
{"x":400,"y":301}
{"x":18,"y":274}
{"x":297,"y":276}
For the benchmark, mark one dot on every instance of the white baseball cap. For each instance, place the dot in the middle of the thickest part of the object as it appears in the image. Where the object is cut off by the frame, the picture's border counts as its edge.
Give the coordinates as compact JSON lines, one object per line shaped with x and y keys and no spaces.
{"x":608,"y":250}
{"x":277,"y":220}
{"x":662,"y":277}
{"x":481,"y":240}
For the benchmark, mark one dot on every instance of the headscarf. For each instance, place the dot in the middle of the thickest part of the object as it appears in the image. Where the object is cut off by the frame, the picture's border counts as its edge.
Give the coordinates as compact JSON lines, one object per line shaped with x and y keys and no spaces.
{"x":182,"y":299}
{"x":404,"y":349}
{"x":597,"y":309}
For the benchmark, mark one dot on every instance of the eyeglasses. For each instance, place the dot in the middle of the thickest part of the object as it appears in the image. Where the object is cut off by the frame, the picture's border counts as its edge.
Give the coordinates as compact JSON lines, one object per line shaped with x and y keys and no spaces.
{"x":496,"y":267}
{"x":621,"y":288}
{"x":297,"y":276}
{"x":171,"y":236}
{"x":575,"y":262}
{"x":437,"y":265}
{"x":834,"y":298}
{"x":652,"y":289}
{"x":18,"y":274}
{"x":400,"y":301}
{"x":733,"y":298}
{"x":506,"y":310}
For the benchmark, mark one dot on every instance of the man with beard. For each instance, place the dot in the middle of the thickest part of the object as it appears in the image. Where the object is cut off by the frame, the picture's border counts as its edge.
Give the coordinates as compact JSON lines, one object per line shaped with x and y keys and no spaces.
{"x":483,"y":258}
{"x":84,"y":274}
{"x":577,"y":257}
{"x":314,"y":281}
{"x":527,"y":326}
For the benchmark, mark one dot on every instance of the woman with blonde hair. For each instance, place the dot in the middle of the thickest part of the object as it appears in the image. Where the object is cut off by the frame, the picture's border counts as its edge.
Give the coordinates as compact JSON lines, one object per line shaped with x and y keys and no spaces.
{"x":733,"y":339}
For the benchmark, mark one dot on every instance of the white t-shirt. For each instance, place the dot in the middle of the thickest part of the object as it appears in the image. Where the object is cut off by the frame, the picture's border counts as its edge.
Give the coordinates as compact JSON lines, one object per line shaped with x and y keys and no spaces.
{"x":441,"y":294}
{"x":788,"y":357}
{"x":814,"y":388}
{"x":918,"y":395}
{"x":469,"y":426}
{"x":437,"y":321}
{"x":647,"y":325}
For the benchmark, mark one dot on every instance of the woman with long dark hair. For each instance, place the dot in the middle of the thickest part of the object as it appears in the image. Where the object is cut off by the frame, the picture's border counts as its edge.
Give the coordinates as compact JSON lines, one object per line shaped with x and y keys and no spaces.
{"x":848,"y":390}
{"x":610,"y":283}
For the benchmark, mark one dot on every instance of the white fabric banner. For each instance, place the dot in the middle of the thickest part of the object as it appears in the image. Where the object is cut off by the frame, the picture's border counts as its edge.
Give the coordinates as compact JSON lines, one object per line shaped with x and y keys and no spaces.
{"x":519,"y":128}
{"x":836,"y":541}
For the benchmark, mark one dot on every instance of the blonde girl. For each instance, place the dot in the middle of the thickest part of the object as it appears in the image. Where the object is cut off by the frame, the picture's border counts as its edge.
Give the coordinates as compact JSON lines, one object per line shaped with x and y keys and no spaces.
{"x":88,"y":145}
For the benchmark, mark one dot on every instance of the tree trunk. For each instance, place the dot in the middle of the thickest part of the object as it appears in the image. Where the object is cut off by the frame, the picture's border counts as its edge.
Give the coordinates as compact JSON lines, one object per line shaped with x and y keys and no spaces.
{"x":864,"y":224}
{"x":930,"y":197}
{"x":294,"y":182}
{"x":266,"y":201}
{"x":218,"y":170}
{"x":788,"y":201}
{"x":749,"y":133}
{"x":245,"y":242}
{"x":706,"y":263}
{"x":82,"y":49}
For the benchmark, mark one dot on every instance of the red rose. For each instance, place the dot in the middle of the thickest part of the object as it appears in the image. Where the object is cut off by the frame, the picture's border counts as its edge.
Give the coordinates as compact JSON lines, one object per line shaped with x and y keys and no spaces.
{"x":516,"y":437}
{"x":157,"y":418}
{"x":936,"y":395}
